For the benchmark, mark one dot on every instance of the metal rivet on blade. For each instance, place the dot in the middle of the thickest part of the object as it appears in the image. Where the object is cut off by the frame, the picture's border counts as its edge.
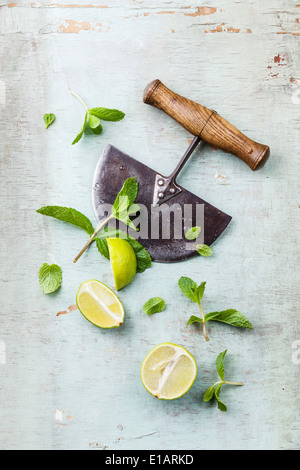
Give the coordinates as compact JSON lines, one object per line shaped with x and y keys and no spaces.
{"x":160,"y":195}
{"x":161,"y":182}
{"x":172,"y":190}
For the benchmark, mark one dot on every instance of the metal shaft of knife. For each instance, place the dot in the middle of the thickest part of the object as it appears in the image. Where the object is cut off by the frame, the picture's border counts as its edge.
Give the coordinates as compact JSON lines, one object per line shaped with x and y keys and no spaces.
{"x":166,"y":188}
{"x":196,"y":141}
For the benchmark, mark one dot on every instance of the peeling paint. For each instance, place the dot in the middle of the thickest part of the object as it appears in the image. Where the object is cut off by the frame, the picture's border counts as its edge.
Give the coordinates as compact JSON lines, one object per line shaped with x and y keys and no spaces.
{"x":287,"y":32}
{"x":280,"y":60}
{"x":202,"y":11}
{"x":71,"y":308}
{"x":221,"y":178}
{"x":74,"y":27}
{"x":233,"y":30}
{"x":218,"y":29}
{"x":166,"y":13}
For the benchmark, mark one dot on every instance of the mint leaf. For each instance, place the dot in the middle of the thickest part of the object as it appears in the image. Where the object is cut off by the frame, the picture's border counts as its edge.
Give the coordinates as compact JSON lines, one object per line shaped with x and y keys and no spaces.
{"x":201,"y":290}
{"x":231,"y":317}
{"x":126,"y":197}
{"x":220,"y":365}
{"x":194,"y":319}
{"x":78,"y":138}
{"x":221,"y":405}
{"x":102,"y":247}
{"x":204,"y":250}
{"x":97,"y":130}
{"x":154,"y":305}
{"x":189,"y":288}
{"x":124,"y":201}
{"x":49,"y":119}
{"x":193,"y":233}
{"x":144,"y":260}
{"x":50,"y":278}
{"x":133,"y":209}
{"x":107,"y":114}
{"x":69,"y":215}
{"x":208,"y":395}
{"x":94,"y":122}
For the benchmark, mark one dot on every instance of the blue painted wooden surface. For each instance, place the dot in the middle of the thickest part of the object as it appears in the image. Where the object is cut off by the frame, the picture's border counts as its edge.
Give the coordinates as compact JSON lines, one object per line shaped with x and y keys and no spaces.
{"x":66,"y":384}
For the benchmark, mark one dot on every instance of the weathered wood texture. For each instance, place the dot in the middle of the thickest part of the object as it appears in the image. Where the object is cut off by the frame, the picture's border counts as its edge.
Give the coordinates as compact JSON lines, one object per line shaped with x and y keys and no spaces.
{"x":66,"y":384}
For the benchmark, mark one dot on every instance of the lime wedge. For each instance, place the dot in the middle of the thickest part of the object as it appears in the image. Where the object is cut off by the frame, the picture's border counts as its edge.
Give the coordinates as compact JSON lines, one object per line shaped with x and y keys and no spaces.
{"x":99,"y":305}
{"x":169,"y":371}
{"x":123,"y":261}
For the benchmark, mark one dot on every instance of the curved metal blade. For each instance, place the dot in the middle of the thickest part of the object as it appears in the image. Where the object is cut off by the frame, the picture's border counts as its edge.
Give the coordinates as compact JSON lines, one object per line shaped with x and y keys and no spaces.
{"x":114,"y":167}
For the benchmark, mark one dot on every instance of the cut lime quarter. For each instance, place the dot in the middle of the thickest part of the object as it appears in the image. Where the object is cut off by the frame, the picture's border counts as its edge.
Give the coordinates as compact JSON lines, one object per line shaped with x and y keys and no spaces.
{"x":100,"y":305}
{"x":123,"y":261}
{"x":168,"y":371}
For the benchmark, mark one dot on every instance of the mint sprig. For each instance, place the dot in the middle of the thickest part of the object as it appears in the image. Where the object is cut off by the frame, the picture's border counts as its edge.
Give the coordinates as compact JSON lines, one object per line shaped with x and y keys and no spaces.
{"x":50,"y":278}
{"x":93,"y":118}
{"x":195,"y":293}
{"x":122,"y":208}
{"x":214,"y":390}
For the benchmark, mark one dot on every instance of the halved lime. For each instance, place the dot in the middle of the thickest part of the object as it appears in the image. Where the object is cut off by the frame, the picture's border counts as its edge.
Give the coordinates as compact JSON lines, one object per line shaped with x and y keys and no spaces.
{"x":100,"y":305}
{"x":169,"y":371}
{"x":123,"y":261}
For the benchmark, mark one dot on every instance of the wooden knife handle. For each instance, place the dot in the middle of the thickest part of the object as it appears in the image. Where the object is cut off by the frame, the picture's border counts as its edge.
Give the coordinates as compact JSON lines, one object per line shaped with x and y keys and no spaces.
{"x":207,"y":124}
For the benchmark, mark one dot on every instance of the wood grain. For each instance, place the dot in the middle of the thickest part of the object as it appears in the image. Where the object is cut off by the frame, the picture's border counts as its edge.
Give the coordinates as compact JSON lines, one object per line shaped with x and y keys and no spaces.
{"x":206,"y":124}
{"x":66,"y":384}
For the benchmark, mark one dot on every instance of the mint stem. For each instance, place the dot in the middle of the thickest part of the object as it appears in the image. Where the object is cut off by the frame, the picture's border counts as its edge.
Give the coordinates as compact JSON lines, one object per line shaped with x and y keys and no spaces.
{"x":80,"y":99}
{"x":203,"y":322}
{"x":91,"y":239}
{"x":233,"y":383}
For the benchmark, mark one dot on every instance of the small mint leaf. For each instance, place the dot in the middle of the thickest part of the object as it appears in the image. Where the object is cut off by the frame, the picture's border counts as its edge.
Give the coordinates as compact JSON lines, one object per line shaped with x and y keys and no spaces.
{"x":193,"y":233}
{"x":194,"y":319}
{"x":220,"y":364}
{"x":189,"y":288}
{"x":107,"y":114}
{"x":221,"y":405}
{"x":50,"y":278}
{"x":230,"y":317}
{"x":154,"y":305}
{"x":208,"y":395}
{"x":201,"y":290}
{"x":94,"y":122}
{"x":69,"y":215}
{"x":204,"y":250}
{"x":82,"y":130}
{"x":49,"y":119}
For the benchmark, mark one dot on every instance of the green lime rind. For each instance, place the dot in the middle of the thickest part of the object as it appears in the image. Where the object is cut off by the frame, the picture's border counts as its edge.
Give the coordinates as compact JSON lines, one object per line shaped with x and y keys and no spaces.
{"x":119,"y":252}
{"x":177,"y":346}
{"x":98,"y":326}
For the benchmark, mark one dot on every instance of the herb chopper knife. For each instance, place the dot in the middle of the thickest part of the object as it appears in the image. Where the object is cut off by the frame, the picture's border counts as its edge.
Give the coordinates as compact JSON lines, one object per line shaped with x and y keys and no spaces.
{"x":114,"y":167}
